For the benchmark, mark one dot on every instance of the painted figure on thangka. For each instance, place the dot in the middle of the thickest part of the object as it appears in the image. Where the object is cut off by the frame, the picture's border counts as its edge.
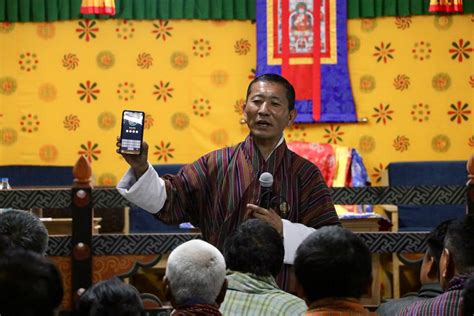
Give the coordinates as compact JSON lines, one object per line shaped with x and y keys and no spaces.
{"x":306,"y":42}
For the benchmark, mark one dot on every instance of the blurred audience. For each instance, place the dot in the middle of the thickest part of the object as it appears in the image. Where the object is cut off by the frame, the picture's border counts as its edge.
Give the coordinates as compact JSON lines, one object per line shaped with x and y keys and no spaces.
{"x":429,"y":274}
{"x":110,"y":298}
{"x":254,"y":257}
{"x":195,"y":281}
{"x":456,"y":266}
{"x":22,"y":229}
{"x":334,"y":269}
{"x":30,"y":285}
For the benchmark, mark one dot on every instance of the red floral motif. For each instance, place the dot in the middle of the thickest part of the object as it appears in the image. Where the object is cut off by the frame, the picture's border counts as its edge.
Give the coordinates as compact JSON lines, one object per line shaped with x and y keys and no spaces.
{"x":253,"y":74}
{"x":471,"y":81}
{"x":164,"y":151}
{"x":333,"y":135}
{"x":378,"y":173}
{"x":239,"y":106}
{"x":125,"y":29}
{"x":87,"y":29}
{"x":384,"y":52}
{"x":383,"y":113}
{"x":163,"y":90}
{"x":201,"y":48}
{"x":201,"y":107}
{"x":70,"y":61}
{"x":401,"y":143}
{"x":88,"y":91}
{"x":403,"y":23}
{"x":29,"y":123}
{"x":162,"y":30}
{"x":148,"y":121}
{"x":470,"y":141}
{"x":422,"y":50}
{"x":28,"y":61}
{"x":401,"y":82}
{"x":144,"y":61}
{"x":461,"y":50}
{"x":459,"y":112}
{"x":90,"y":151}
{"x":71,"y":122}
{"x":242,"y":46}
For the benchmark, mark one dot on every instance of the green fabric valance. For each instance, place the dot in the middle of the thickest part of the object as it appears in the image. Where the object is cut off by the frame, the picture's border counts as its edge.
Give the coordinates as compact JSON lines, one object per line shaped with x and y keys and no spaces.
{"x":54,"y":10}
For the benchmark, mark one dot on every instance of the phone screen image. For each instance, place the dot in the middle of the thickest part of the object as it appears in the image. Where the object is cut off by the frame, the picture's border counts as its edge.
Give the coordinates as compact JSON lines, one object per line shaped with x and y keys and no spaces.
{"x":132,"y":132}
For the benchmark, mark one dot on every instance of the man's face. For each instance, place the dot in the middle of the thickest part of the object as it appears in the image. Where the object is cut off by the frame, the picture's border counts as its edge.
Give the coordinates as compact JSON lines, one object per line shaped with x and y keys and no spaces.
{"x":266,"y":111}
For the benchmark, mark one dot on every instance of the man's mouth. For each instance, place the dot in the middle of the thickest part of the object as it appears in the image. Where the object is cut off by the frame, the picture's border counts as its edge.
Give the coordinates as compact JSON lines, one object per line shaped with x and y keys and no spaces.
{"x":263,"y":124}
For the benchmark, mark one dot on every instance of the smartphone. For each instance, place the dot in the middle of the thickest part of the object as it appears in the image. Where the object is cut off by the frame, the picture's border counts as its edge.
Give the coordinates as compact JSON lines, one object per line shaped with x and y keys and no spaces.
{"x":131,"y":135}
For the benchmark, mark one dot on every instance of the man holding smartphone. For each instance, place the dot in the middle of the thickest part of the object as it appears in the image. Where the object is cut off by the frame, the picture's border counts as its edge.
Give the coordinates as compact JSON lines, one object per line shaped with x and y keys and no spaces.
{"x":221,"y":189}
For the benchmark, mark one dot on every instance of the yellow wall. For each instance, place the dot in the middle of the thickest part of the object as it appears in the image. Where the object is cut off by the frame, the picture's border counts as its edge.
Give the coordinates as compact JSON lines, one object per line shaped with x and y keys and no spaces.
{"x":209,"y":63}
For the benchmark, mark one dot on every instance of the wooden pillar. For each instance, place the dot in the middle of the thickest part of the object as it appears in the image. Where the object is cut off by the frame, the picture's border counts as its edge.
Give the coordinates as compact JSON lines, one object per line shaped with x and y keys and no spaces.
{"x":82,"y":228}
{"x":470,"y":185}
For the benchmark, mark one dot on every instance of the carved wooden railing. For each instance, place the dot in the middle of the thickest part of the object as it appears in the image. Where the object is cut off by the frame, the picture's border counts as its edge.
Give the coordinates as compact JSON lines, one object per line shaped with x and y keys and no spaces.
{"x":84,"y":257}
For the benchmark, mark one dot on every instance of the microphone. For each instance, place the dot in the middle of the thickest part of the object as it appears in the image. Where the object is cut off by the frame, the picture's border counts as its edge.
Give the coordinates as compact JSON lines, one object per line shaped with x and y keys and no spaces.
{"x":266,"y":182}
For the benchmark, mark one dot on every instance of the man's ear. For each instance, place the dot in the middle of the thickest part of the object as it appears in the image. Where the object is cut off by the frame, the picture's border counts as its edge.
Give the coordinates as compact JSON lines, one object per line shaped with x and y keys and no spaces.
{"x":221,"y":295}
{"x":292,"y":117}
{"x":446,"y":267}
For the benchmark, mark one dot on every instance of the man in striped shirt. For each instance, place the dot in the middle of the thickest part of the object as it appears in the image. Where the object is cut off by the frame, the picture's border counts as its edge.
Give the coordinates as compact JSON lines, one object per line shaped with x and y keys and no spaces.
{"x":456,"y":266}
{"x":254,"y":257}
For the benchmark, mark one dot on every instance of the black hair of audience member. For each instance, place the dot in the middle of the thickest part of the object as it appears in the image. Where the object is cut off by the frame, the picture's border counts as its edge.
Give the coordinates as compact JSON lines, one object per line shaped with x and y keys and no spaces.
{"x":255,"y":247}
{"x":24,"y":230}
{"x":468,"y":297}
{"x":30,"y":285}
{"x":274,"y":78}
{"x":333,"y":262}
{"x":110,"y":298}
{"x":435,"y":244}
{"x":460,"y":243}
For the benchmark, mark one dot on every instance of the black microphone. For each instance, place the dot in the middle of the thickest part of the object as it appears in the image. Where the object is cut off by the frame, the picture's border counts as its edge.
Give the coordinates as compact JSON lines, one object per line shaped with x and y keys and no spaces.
{"x":266,"y":182}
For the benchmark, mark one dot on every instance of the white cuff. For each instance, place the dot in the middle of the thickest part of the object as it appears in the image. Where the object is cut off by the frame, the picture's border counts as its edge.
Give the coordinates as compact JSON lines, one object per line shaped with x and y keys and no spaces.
{"x":148,"y":192}
{"x":293,"y":236}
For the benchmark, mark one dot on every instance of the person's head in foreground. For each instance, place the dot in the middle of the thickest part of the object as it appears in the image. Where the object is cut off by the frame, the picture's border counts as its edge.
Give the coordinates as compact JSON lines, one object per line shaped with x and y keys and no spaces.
{"x":458,"y":254}
{"x":429,"y":272}
{"x":468,"y":297}
{"x":270,"y":107}
{"x":110,"y":298}
{"x":30,"y":285}
{"x":24,"y":230}
{"x":255,"y":247}
{"x":195,"y":278}
{"x":333,"y":268}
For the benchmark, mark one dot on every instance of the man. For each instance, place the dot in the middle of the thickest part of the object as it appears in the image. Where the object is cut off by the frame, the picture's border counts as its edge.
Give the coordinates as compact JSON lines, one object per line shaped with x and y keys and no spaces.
{"x":195,"y":280}
{"x":221,"y":189}
{"x":110,"y":297}
{"x":29,"y":284}
{"x":254,"y":257}
{"x":333,"y":267}
{"x":456,"y":265}
{"x":468,"y":297}
{"x":24,"y":230}
{"x":429,"y":273}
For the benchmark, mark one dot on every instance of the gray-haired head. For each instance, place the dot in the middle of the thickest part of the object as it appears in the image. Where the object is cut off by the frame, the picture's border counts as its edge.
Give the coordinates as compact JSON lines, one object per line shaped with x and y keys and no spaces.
{"x":196,"y":273}
{"x":24,"y":230}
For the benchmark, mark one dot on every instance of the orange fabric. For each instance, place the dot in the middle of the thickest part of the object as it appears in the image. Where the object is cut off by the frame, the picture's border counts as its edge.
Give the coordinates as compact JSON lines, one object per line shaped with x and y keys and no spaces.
{"x":337,"y":307}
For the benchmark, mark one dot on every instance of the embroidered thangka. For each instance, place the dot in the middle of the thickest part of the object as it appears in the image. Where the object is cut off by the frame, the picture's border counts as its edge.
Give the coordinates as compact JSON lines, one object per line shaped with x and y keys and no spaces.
{"x":306,"y":42}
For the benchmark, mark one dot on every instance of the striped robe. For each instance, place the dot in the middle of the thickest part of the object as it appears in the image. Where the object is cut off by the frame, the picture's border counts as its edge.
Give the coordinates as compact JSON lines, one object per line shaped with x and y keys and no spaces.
{"x":212,"y":193}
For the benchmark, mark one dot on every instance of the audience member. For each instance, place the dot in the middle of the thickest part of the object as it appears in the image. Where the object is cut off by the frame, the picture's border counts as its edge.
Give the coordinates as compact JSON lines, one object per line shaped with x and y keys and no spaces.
{"x":254,"y":257}
{"x":468,"y":297}
{"x":456,"y":265}
{"x":195,"y":281}
{"x":22,"y":229}
{"x":30,"y":285}
{"x":110,"y":298}
{"x":333,"y":267}
{"x":429,"y":274}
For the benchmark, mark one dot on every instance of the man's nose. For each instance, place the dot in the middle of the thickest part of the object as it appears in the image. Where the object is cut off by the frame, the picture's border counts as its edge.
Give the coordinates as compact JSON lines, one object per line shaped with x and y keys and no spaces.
{"x":263,"y":109}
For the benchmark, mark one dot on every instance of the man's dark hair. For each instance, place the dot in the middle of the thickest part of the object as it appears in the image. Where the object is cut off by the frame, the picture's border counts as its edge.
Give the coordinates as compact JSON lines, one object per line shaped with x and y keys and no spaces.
{"x":110,"y":298}
{"x":460,"y":242}
{"x":274,"y":78}
{"x":333,"y":262}
{"x":30,"y":285}
{"x":468,"y":296}
{"x":255,"y":247}
{"x":24,"y":230}
{"x":435,"y":241}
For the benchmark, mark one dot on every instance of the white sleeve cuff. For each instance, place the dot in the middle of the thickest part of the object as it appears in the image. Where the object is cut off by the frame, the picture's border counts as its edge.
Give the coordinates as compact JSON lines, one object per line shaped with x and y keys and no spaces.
{"x":148,"y":192}
{"x":293,"y":236}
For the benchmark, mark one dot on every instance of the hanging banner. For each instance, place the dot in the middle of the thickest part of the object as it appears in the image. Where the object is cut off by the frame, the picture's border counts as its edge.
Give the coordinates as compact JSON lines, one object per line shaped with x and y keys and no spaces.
{"x":306,"y":42}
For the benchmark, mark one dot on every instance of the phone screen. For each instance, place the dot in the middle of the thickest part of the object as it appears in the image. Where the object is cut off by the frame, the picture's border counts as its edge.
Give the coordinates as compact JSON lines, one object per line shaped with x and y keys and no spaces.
{"x":132,"y":132}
